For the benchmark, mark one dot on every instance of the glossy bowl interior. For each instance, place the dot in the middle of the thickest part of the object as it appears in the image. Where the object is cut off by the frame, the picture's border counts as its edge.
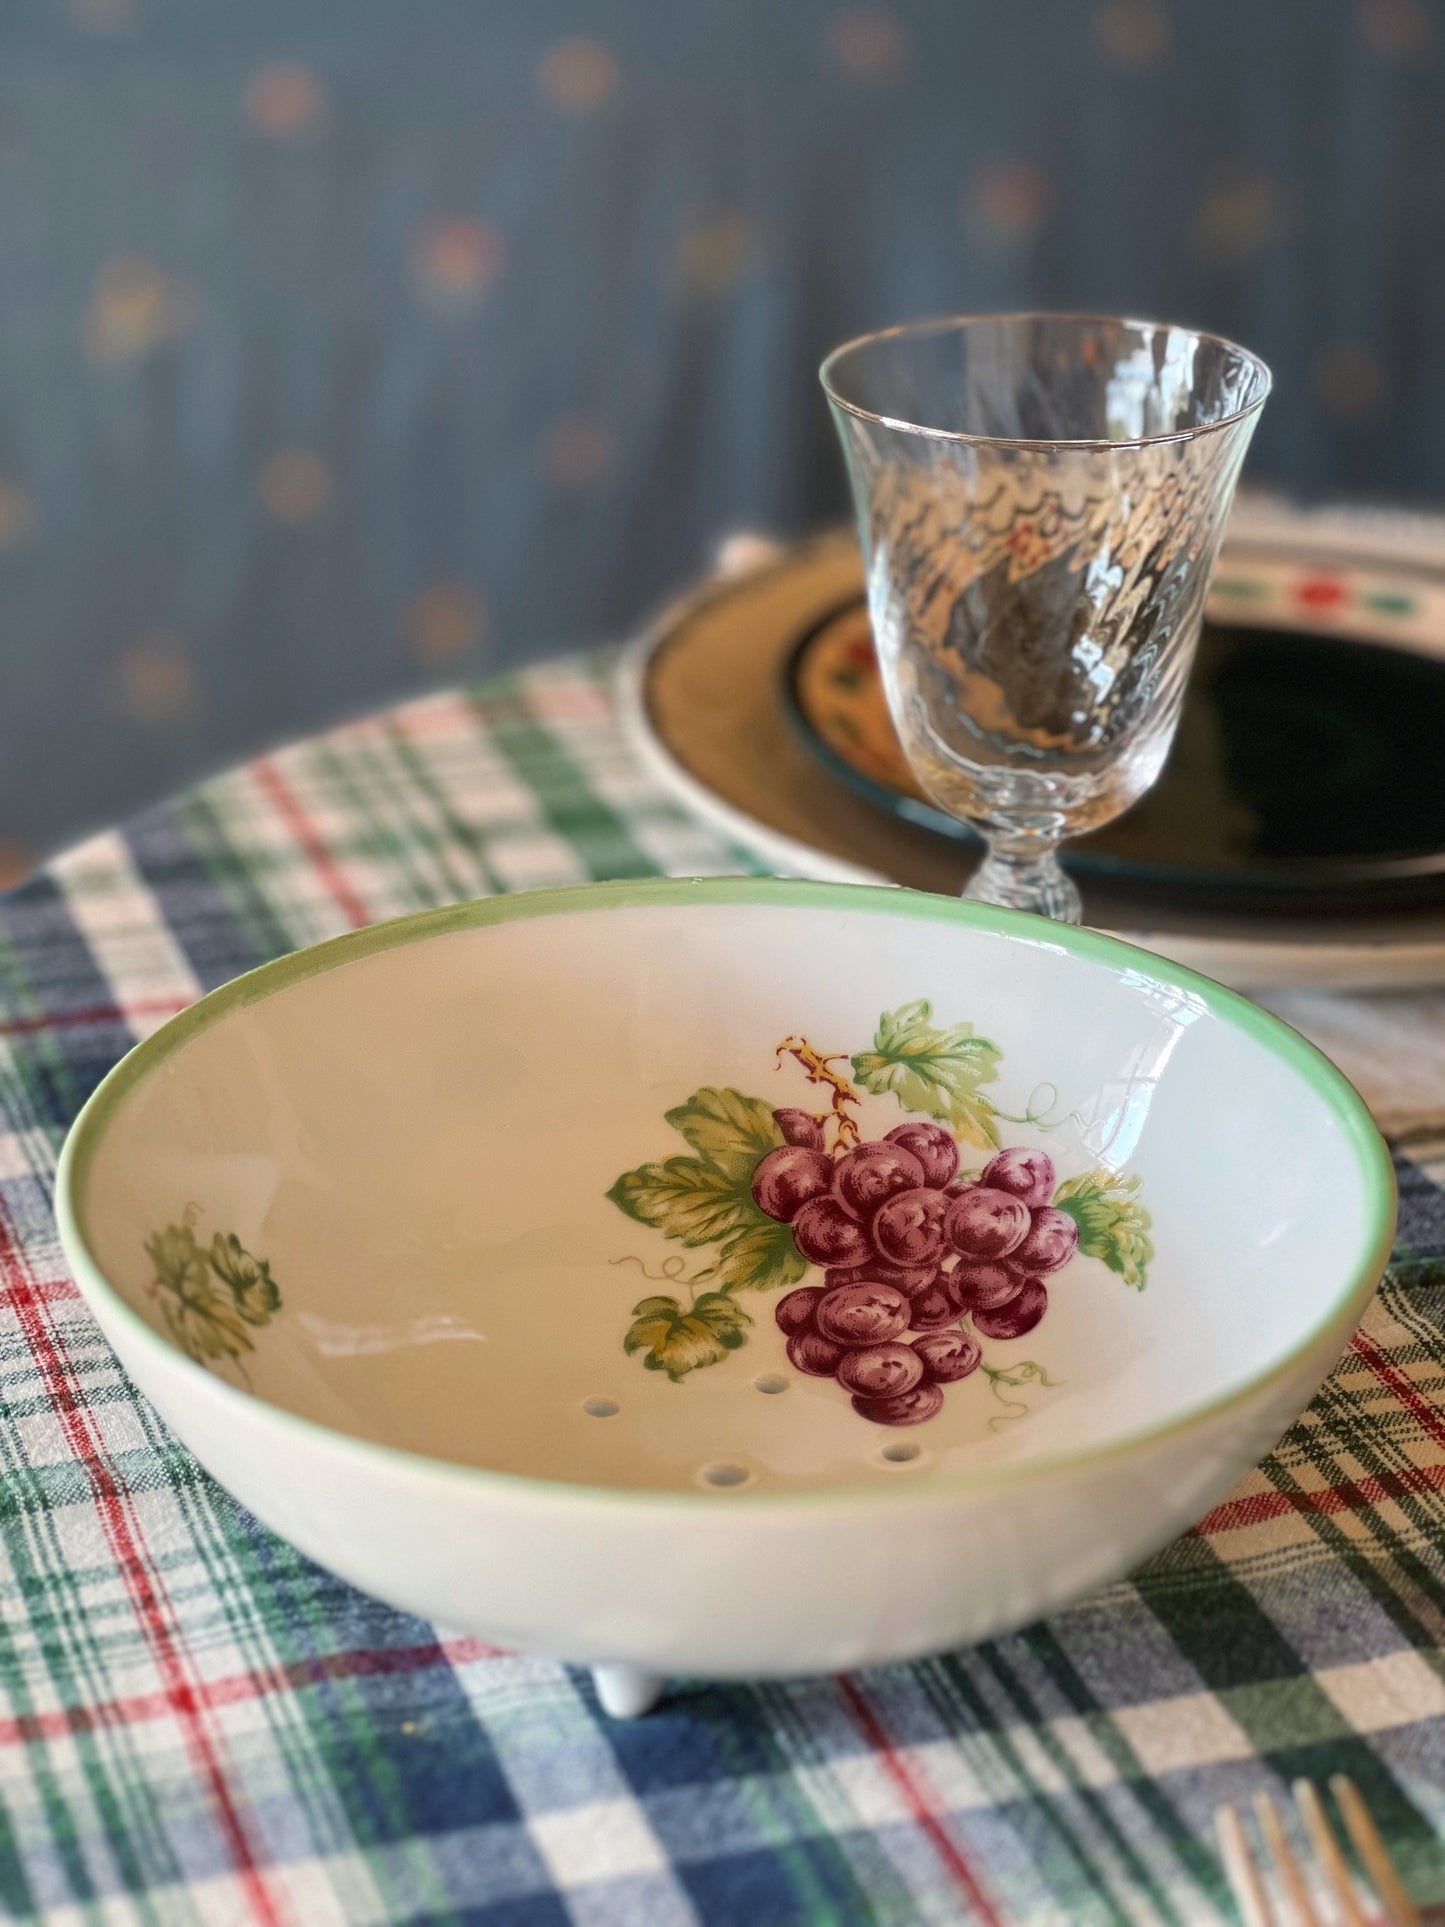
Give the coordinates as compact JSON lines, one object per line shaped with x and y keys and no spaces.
{"x":410,"y":1137}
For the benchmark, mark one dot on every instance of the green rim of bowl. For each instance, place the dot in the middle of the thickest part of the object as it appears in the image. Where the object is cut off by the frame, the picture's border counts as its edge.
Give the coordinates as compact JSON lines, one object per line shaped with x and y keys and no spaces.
{"x":1362,"y":1273}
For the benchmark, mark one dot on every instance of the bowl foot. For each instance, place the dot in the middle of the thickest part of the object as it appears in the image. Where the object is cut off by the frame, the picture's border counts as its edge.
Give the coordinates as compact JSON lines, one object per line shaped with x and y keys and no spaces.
{"x":626,"y":1691}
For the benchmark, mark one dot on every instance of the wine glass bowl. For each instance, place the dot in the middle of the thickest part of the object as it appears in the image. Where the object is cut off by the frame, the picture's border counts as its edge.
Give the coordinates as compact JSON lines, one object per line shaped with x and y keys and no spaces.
{"x":1040,"y":501}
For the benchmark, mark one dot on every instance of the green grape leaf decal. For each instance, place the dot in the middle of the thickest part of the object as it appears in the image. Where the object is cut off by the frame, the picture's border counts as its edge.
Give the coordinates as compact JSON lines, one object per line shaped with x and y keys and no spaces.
{"x":208,"y":1295}
{"x":758,"y":1258}
{"x":934,"y":1071}
{"x":689,"y":1199}
{"x":677,"y":1340}
{"x":708,"y":1198}
{"x":1113,"y":1225}
{"x":728,"y":1130}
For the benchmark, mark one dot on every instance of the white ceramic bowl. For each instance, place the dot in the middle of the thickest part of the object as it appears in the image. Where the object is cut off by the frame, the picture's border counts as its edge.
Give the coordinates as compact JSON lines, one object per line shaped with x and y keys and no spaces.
{"x":438,"y":1245}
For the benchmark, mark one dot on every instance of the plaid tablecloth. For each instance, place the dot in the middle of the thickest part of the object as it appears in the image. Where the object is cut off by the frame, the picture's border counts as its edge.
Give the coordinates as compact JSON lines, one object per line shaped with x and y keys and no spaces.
{"x":197,"y":1725}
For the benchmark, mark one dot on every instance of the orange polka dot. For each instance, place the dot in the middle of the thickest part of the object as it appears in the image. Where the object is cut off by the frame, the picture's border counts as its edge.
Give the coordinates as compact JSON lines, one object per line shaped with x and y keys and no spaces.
{"x":867,"y":42}
{"x":19,"y":517}
{"x":714,"y":252}
{"x":156,"y":680}
{"x":578,"y":75}
{"x":457,"y":260}
{"x":284,"y":101}
{"x":445,"y":621}
{"x":1351,"y":382}
{"x":576,"y":452}
{"x":17,"y":860}
{"x":1239,"y":215}
{"x":294,"y":485}
{"x":134,"y":307}
{"x":1394,"y":29}
{"x":1133,"y":34}
{"x":1009,"y":197}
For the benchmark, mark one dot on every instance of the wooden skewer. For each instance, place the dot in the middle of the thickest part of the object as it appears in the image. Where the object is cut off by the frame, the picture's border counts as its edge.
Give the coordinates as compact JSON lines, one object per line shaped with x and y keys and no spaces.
{"x":1399,"y":1909}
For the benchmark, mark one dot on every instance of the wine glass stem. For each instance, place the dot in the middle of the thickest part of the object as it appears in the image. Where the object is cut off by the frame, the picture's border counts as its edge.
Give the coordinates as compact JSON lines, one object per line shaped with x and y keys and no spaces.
{"x":1026,"y":876}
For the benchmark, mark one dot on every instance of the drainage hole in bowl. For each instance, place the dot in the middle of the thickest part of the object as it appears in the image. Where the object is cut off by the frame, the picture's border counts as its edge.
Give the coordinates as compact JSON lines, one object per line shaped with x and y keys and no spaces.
{"x":771,"y":1382}
{"x":901,"y":1453}
{"x":600,"y":1407}
{"x":725,"y":1476}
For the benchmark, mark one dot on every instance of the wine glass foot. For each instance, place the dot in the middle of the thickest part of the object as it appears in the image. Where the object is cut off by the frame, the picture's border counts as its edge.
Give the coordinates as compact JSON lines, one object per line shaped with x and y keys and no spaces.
{"x":1033,"y":882}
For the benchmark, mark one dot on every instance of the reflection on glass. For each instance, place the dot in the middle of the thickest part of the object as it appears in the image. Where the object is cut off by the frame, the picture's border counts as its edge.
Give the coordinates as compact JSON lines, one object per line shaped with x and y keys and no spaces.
{"x":1040,"y":499}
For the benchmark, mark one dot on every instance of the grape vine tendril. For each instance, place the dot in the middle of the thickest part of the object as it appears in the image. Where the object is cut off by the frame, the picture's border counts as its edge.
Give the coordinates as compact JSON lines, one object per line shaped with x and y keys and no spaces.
{"x":1040,"y":1115}
{"x":673,"y":1272}
{"x":1026,"y":1373}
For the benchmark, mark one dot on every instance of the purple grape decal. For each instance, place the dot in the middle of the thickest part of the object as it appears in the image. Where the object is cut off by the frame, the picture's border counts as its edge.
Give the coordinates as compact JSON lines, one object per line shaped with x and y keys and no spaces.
{"x":1029,"y":1175}
{"x":825,"y":1234}
{"x":948,"y":1355}
{"x":798,"y":1312}
{"x":880,"y":1371}
{"x":1018,"y":1316}
{"x":933,"y":1146}
{"x":801,"y":1127}
{"x":983,"y":1223}
{"x":934,"y":1309}
{"x":909,"y":1279}
{"x":1053,"y":1238}
{"x":904,"y":1408}
{"x":908,"y":1229}
{"x":810,"y":1352}
{"x":979,"y":1287}
{"x":863,"y":1314}
{"x":788,"y":1178}
{"x":871,"y":1173}
{"x":892,"y":1255}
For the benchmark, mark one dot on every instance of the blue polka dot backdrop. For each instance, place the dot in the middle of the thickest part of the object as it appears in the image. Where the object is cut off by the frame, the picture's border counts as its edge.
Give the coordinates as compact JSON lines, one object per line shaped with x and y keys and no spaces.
{"x":350,"y":345}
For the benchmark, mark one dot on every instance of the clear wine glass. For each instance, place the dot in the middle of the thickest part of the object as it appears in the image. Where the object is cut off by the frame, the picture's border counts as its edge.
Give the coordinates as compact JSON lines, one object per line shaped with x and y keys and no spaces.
{"x":1040,"y":498}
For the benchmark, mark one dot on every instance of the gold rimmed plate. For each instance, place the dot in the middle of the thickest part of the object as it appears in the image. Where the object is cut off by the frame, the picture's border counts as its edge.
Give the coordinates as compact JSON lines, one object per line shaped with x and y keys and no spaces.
{"x":704,"y":703}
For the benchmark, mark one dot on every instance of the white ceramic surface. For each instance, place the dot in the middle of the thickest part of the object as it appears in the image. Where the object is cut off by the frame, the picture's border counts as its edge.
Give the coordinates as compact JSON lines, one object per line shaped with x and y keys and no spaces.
{"x":375,"y":1188}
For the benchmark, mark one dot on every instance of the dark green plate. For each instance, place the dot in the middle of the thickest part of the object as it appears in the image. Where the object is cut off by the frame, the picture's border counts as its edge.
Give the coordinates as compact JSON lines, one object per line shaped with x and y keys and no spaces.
{"x":1306,"y":775}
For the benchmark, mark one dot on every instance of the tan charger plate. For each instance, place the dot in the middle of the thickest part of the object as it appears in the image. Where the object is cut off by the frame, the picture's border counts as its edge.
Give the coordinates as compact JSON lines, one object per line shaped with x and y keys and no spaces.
{"x":701,"y":703}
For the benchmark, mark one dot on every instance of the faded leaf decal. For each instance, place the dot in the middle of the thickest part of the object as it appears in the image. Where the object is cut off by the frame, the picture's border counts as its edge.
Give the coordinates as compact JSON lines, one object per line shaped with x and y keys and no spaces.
{"x":934,"y":1071}
{"x":181,"y":1265}
{"x":209,"y":1294}
{"x":205,"y":1327}
{"x":678,"y":1341}
{"x":254,"y":1289}
{"x":1113,"y":1225}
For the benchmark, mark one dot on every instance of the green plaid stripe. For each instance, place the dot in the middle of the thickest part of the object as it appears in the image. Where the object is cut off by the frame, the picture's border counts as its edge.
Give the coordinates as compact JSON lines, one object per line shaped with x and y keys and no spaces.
{"x":198,"y":1725}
